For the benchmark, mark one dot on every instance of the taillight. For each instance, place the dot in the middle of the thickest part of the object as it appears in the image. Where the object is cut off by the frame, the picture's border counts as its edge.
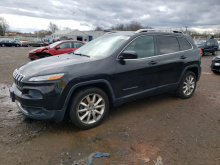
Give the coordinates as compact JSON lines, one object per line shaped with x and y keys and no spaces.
{"x":200,"y":50}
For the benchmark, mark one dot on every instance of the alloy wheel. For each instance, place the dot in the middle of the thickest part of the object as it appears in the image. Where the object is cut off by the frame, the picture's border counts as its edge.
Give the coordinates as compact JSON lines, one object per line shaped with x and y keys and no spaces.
{"x":189,"y":85}
{"x":91,"y":108}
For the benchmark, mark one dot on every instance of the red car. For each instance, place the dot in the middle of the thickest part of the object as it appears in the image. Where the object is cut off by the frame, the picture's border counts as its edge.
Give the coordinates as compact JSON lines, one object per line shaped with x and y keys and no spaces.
{"x":56,"y":48}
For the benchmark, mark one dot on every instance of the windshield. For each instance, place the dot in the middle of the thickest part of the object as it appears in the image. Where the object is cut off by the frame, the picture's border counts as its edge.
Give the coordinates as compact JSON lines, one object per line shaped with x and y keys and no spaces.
{"x":55,"y":44}
{"x":200,"y":42}
{"x":102,"y":46}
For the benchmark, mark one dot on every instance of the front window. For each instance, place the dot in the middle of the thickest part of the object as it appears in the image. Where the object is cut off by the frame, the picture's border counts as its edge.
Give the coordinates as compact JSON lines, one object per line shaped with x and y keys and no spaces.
{"x":143,"y":46}
{"x":102,"y":46}
{"x":65,"y":45}
{"x":200,"y":42}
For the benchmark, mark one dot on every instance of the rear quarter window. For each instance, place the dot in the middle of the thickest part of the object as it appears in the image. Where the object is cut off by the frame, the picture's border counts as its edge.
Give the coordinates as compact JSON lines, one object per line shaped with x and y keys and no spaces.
{"x":167,"y":44}
{"x":184,"y":44}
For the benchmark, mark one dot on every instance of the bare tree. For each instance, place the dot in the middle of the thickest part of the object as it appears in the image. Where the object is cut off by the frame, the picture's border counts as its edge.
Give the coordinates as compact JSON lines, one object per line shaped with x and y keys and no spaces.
{"x":52,"y":27}
{"x":4,"y":26}
{"x":133,"y":26}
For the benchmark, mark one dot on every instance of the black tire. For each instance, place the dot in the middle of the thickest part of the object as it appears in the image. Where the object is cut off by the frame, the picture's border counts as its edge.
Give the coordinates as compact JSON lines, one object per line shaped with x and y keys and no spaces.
{"x":89,"y":112}
{"x":184,"y":85}
{"x":214,"y":52}
{"x":215,"y":72}
{"x":203,"y":52}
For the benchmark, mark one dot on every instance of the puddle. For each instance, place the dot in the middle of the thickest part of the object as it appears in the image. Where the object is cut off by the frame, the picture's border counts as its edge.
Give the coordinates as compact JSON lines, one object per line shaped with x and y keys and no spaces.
{"x":206,"y":73}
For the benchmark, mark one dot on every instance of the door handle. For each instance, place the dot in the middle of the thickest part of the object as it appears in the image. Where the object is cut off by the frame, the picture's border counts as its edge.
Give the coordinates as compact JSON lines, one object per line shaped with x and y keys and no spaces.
{"x":153,"y":62}
{"x":183,"y":57}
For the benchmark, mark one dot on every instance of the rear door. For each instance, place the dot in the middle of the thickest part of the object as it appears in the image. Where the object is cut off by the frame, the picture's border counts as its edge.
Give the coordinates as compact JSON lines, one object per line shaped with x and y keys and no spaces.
{"x":137,"y":76}
{"x":171,"y":61}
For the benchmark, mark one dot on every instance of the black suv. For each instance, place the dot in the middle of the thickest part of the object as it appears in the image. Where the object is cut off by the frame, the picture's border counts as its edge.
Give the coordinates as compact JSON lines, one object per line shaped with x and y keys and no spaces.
{"x":115,"y":68}
{"x":208,"y":46}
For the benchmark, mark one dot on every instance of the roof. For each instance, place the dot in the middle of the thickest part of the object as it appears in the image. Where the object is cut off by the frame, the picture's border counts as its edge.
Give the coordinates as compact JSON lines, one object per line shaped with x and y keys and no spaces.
{"x":62,"y":32}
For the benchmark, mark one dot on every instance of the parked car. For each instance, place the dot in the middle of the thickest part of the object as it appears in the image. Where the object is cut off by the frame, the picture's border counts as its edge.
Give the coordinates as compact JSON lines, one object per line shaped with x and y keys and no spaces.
{"x":106,"y":72}
{"x":36,"y":43}
{"x":215,"y":67}
{"x":10,"y":43}
{"x":61,"y":38}
{"x":208,"y":46}
{"x":56,"y":48}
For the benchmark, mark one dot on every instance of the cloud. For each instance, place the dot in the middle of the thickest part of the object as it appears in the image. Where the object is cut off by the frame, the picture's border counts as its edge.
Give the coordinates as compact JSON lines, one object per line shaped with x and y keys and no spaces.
{"x":158,"y":13}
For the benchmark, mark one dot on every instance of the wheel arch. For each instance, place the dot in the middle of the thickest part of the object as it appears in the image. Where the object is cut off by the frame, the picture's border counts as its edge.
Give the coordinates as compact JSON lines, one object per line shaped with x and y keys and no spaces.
{"x":102,"y":84}
{"x":193,"y":68}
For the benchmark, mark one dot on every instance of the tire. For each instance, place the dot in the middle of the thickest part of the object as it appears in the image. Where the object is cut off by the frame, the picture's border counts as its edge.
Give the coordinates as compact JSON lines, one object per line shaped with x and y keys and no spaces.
{"x":214,"y":52}
{"x":91,"y":115}
{"x":203,"y":52}
{"x":28,"y":45}
{"x":187,"y":85}
{"x":215,"y":72}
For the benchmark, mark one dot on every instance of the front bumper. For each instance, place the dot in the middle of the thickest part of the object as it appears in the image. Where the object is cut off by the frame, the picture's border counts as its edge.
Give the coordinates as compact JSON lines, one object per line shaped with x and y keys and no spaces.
{"x":215,"y":66}
{"x":34,"y":108}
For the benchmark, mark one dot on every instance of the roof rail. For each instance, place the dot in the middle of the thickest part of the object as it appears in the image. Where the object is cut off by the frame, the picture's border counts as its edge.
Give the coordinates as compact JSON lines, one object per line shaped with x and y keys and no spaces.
{"x":157,"y":30}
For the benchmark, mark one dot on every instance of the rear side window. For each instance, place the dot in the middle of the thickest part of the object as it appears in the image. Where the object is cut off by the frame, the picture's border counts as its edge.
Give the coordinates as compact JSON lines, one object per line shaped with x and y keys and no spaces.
{"x":185,"y":45}
{"x":167,"y":44}
{"x":77,"y":44}
{"x":143,"y":46}
{"x":216,"y":42}
{"x":212,"y":42}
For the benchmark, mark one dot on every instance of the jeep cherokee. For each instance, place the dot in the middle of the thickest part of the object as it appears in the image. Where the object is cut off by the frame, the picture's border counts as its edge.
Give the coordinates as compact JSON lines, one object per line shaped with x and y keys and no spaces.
{"x":115,"y":68}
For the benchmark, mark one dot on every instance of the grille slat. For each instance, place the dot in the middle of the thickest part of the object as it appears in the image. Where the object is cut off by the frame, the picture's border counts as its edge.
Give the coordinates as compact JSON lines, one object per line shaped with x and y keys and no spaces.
{"x":18,"y":77}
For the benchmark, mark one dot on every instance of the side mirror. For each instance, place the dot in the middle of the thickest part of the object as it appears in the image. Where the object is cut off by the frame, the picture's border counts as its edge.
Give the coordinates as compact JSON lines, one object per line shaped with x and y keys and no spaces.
{"x":57,"y":47}
{"x":128,"y":55}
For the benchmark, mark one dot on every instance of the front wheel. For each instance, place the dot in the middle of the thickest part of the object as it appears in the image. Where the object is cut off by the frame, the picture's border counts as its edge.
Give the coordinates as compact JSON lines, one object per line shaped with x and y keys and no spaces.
{"x":88,"y":108}
{"x":214,"y":52}
{"x":187,"y":85}
{"x":203,"y":52}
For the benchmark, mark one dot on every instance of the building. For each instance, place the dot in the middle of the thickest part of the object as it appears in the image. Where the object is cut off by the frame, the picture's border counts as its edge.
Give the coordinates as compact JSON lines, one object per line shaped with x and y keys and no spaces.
{"x":77,"y":35}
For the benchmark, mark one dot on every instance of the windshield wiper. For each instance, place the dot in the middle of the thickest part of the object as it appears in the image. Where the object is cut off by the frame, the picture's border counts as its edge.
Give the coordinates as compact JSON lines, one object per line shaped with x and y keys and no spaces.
{"x":79,"y":54}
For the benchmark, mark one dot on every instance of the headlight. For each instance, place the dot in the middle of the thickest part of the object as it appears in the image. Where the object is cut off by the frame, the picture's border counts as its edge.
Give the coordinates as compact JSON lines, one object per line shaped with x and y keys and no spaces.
{"x":47,"y":77}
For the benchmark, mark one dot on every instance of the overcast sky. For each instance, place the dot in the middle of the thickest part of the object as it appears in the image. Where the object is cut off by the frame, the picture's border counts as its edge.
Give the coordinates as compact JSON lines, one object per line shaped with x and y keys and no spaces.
{"x":31,"y":15}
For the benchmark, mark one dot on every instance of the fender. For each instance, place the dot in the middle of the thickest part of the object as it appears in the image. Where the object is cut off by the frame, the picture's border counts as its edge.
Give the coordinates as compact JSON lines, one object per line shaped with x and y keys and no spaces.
{"x":188,"y":67}
{"x":89,"y":83}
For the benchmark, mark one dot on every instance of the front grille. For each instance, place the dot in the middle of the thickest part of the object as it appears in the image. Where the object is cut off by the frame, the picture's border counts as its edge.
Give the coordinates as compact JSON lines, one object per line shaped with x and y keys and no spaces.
{"x":18,"y":77}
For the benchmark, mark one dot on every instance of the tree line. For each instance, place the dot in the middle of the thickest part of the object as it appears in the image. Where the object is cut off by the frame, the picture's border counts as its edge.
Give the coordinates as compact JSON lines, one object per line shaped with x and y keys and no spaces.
{"x":132,"y":26}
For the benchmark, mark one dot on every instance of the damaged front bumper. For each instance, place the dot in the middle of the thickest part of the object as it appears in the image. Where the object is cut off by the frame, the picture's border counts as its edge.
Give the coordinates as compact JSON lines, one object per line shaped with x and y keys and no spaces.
{"x":34,"y":112}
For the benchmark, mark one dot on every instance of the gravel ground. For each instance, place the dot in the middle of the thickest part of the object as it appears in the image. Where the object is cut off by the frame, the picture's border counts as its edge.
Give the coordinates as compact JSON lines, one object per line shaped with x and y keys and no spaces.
{"x":184,"y":132}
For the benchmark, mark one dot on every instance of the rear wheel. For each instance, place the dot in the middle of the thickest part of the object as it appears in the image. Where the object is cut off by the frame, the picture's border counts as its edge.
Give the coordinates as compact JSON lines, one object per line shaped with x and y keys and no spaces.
{"x":187,"y":85}
{"x":88,"y":108}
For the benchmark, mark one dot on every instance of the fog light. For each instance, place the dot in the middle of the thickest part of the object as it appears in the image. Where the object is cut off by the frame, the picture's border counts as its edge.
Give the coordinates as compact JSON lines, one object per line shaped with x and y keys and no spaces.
{"x":35,"y":94}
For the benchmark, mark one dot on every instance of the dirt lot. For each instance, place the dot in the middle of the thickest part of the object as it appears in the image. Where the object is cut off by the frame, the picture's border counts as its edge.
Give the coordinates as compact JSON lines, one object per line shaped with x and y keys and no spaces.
{"x":182,"y":132}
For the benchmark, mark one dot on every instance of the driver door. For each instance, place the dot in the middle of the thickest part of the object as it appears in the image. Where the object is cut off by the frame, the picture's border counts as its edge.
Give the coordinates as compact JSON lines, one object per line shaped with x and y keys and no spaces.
{"x":137,"y":77}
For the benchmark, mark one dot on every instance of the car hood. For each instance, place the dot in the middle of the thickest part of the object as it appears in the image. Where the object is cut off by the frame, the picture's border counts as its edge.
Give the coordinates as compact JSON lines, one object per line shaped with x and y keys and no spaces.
{"x":39,"y":49}
{"x":52,"y":65}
